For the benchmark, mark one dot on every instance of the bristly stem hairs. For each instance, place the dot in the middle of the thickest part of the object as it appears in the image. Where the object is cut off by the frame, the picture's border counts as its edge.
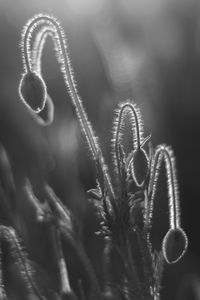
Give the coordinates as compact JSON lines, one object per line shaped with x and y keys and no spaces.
{"x":32,"y":88}
{"x":137,"y":160}
{"x":136,"y":169}
{"x":46,"y":116}
{"x":175,"y":241}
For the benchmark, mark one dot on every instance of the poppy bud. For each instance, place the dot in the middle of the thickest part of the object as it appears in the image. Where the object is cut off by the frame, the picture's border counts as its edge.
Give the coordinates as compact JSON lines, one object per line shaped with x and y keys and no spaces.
{"x":139,"y":166}
{"x":174,"y":245}
{"x":32,"y":90}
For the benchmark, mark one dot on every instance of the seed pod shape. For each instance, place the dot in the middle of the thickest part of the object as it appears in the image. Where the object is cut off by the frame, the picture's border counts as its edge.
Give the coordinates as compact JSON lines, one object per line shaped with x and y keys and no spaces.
{"x":174,"y":245}
{"x":32,"y":90}
{"x":139,"y":166}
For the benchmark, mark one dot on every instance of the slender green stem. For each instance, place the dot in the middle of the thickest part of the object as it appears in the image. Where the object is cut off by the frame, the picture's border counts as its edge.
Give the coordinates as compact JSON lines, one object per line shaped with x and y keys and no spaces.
{"x":165,"y":153}
{"x":67,"y":230}
{"x":125,"y":109}
{"x":64,"y":278}
{"x":63,"y":58}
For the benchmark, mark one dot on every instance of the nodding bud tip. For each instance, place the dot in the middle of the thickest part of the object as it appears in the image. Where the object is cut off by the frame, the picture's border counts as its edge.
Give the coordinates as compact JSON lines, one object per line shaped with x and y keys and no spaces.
{"x":139,"y":166}
{"x":32,"y":90}
{"x":174,"y":245}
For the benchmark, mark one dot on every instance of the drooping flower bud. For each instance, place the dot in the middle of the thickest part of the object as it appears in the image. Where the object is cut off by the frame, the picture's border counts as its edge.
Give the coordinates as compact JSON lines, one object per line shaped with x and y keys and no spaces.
{"x":32,"y":90}
{"x":139,"y":166}
{"x":174,"y":245}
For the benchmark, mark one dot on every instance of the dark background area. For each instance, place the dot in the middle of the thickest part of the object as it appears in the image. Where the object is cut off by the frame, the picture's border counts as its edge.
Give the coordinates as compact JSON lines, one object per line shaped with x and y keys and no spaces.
{"x":148,"y":51}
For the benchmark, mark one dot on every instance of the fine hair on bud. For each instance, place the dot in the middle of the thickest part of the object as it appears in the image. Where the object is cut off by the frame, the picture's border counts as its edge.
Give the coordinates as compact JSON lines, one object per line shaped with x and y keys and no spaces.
{"x":174,"y":245}
{"x":50,"y":24}
{"x":137,"y":160}
{"x":32,"y":91}
{"x":175,"y":241}
{"x":139,"y":166}
{"x":60,"y":46}
{"x":165,"y":154}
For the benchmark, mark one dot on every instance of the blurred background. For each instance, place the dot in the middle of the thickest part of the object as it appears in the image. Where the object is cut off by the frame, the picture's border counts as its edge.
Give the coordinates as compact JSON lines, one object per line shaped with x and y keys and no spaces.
{"x":148,"y":51}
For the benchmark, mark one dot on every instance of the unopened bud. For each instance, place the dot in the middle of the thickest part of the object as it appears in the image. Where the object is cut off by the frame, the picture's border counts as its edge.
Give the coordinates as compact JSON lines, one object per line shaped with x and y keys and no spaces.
{"x":174,"y":245}
{"x":139,"y":166}
{"x":32,"y":90}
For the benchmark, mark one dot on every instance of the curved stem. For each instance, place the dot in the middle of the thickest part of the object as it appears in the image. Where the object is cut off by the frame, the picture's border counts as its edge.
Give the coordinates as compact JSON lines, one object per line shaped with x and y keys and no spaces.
{"x":63,"y":58}
{"x":165,"y":153}
{"x":137,"y":127}
{"x":38,"y":47}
